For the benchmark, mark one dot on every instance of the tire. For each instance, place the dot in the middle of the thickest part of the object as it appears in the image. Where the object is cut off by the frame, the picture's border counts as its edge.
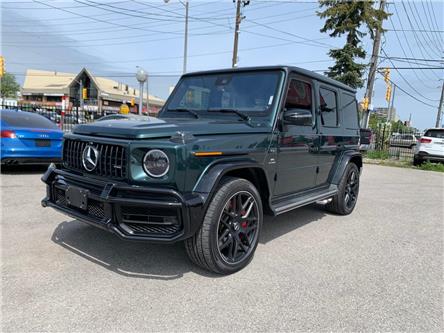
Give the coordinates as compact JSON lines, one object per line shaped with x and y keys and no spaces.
{"x":417,"y":161}
{"x":344,"y":202}
{"x":226,"y":240}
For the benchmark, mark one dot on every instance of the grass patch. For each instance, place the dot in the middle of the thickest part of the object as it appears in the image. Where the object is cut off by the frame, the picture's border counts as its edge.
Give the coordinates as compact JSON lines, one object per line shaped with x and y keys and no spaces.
{"x":429,"y":166}
{"x":377,"y":155}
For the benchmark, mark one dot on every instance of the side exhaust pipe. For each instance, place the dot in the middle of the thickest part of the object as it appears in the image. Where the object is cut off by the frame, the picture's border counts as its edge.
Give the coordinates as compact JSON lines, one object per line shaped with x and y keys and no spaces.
{"x":324,"y":202}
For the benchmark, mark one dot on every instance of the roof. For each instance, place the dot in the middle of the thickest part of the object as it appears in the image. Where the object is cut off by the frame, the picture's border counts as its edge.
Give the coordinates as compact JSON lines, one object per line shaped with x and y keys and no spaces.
{"x":285,"y":68}
{"x":50,"y":82}
{"x":37,"y":81}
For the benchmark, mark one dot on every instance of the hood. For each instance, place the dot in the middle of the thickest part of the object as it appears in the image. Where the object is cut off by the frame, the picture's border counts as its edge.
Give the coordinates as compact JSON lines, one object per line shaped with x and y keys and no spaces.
{"x":157,"y":128}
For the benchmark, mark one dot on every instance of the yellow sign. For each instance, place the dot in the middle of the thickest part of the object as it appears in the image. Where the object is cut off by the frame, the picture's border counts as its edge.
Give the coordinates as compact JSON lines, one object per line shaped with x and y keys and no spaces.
{"x":84,"y":93}
{"x":124,"y":109}
{"x":132,"y":102}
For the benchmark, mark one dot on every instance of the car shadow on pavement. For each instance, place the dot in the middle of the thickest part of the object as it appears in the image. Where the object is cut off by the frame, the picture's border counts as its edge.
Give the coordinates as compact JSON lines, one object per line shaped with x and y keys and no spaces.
{"x":158,"y":261}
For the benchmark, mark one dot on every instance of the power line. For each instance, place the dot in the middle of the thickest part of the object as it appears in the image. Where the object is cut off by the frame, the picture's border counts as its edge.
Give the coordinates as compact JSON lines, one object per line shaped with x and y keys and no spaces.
{"x":432,"y":42}
{"x":404,"y":52}
{"x":415,"y":30}
{"x":414,"y":35}
{"x":408,"y":94}
{"x":405,"y":80}
{"x":422,"y":48}
{"x":433,"y":18}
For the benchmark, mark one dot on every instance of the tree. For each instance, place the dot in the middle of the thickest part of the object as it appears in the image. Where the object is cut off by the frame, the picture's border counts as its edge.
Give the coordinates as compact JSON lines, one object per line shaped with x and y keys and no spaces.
{"x":9,"y":86}
{"x":345,"y":17}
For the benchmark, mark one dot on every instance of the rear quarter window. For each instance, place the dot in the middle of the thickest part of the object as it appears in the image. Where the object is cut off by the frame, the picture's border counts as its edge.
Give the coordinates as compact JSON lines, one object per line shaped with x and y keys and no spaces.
{"x":435,"y":133}
{"x":349,"y":111}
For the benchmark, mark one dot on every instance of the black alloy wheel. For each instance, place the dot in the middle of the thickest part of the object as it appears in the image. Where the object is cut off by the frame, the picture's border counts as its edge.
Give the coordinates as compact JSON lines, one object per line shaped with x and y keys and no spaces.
{"x":344,"y":202}
{"x":229,"y":234}
{"x":351,"y":190}
{"x":238,"y":225}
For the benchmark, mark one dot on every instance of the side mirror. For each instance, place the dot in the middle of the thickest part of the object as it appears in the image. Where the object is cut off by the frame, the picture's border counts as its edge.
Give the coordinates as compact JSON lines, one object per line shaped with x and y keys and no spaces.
{"x":298,"y":117}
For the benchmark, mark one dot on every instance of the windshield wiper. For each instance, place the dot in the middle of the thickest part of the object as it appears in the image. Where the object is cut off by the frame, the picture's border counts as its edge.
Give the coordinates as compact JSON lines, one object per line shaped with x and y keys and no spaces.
{"x":226,"y":110}
{"x":185,"y":110}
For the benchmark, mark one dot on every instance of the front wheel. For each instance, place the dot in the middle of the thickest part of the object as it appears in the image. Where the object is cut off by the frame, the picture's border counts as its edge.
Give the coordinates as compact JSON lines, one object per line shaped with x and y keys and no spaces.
{"x":228,"y":237}
{"x":344,"y":202}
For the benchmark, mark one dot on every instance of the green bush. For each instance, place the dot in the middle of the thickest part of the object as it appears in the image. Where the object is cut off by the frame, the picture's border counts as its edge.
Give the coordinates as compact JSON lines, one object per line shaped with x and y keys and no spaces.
{"x":377,"y":154}
{"x":432,"y":166}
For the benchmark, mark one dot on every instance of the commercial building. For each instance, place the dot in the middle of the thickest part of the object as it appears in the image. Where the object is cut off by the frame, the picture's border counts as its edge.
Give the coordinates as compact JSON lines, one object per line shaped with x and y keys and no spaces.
{"x":387,"y":113}
{"x":66,"y":90}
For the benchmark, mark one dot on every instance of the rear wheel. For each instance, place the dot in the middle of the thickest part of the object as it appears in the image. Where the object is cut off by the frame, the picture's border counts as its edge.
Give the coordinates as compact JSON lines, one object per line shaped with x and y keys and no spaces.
{"x":228,"y":237}
{"x":417,"y":161}
{"x":344,"y":202}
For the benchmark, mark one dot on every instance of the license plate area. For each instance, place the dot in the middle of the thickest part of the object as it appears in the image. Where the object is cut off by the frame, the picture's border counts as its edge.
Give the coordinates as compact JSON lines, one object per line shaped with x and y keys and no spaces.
{"x":42,"y":142}
{"x":77,"y":197}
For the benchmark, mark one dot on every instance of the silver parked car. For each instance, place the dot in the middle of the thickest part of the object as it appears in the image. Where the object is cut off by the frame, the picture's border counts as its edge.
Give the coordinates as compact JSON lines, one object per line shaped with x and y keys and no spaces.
{"x":403,"y":140}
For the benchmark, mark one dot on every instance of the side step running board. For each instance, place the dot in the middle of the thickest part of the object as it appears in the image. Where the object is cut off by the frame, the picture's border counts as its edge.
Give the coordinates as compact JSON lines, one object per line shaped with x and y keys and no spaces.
{"x":304,"y":199}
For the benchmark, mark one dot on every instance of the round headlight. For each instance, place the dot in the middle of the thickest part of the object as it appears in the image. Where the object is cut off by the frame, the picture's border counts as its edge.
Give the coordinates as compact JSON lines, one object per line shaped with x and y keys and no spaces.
{"x":156,"y":163}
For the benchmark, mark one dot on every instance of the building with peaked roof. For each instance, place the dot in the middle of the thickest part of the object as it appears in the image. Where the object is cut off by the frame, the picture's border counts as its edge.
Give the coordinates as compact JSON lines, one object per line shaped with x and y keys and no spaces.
{"x":103,"y":95}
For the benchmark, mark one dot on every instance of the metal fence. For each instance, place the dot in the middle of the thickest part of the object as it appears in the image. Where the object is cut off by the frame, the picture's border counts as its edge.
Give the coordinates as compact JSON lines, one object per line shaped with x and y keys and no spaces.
{"x":398,"y":145}
{"x":65,"y":118}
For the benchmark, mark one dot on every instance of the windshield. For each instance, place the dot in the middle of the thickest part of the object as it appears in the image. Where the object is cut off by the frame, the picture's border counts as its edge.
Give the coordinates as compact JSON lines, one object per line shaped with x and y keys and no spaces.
{"x":248,"y":92}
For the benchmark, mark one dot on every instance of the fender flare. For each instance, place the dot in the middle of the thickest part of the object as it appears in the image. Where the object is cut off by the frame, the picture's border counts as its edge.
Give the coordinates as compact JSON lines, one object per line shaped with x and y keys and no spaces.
{"x":214,"y":173}
{"x":344,"y":160}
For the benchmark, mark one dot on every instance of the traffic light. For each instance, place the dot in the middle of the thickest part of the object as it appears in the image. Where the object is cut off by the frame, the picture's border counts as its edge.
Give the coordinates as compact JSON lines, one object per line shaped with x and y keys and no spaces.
{"x":2,"y":66}
{"x":365,"y":103}
{"x":84,"y":93}
{"x":133,"y":102}
{"x":388,"y":93}
{"x":387,"y":75}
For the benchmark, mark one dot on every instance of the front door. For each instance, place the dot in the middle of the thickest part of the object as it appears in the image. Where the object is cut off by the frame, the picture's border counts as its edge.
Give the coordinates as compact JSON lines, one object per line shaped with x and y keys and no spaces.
{"x":298,"y":145}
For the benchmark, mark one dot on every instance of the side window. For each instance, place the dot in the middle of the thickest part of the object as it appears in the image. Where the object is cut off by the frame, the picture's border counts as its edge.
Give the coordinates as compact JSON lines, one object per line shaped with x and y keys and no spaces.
{"x":349,"y":111}
{"x":299,"y":95}
{"x":328,"y":106}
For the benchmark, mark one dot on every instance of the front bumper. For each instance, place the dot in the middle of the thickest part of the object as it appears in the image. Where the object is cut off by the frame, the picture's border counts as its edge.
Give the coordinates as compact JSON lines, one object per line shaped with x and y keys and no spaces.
{"x":131,"y":212}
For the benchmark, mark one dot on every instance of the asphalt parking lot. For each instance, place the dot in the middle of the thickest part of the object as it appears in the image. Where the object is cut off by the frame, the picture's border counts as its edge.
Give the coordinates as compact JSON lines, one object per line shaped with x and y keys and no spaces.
{"x":379,"y":269}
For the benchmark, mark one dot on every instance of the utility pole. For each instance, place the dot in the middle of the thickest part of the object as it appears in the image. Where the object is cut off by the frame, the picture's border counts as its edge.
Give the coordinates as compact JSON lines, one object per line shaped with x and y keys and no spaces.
{"x":185,"y":47}
{"x":373,"y":68}
{"x":239,"y":18}
{"x":438,"y":116}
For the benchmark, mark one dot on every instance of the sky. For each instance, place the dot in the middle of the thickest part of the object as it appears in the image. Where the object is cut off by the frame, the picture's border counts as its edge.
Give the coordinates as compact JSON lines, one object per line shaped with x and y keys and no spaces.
{"x":111,"y":38}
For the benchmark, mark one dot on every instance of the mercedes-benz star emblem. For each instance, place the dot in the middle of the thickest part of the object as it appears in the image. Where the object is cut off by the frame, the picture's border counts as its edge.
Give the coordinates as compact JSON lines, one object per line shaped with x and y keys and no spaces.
{"x":90,"y":158}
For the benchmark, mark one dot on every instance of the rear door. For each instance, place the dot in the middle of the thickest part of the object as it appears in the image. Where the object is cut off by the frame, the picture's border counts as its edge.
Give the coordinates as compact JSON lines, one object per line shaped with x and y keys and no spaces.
{"x":327,"y":98}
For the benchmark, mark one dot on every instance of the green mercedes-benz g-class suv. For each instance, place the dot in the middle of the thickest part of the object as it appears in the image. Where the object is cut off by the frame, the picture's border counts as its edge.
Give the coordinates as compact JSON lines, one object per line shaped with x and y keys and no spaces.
{"x":228,"y":147}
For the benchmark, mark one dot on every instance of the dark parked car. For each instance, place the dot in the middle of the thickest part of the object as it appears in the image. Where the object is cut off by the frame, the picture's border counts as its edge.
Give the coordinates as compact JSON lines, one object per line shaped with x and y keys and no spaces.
{"x":29,"y":138}
{"x":366,"y":139}
{"x":228,"y":147}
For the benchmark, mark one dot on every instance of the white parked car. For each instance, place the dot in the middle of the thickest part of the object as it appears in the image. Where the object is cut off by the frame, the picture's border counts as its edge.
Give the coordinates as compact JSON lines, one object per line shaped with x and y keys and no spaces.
{"x":430,"y":147}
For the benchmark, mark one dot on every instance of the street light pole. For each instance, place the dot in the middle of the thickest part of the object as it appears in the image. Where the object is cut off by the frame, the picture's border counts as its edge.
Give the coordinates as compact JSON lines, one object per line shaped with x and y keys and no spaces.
{"x":141,"y":76}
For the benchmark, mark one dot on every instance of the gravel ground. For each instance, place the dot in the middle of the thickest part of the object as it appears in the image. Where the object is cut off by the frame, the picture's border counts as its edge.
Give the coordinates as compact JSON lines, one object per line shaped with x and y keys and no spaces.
{"x":379,"y":269}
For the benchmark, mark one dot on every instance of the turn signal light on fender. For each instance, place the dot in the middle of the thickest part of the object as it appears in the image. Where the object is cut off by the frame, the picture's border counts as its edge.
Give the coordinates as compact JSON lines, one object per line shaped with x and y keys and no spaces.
{"x":8,"y":134}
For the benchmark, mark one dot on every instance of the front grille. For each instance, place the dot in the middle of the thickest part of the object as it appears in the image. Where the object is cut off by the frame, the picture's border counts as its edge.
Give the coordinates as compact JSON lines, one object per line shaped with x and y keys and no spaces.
{"x":112,"y":160}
